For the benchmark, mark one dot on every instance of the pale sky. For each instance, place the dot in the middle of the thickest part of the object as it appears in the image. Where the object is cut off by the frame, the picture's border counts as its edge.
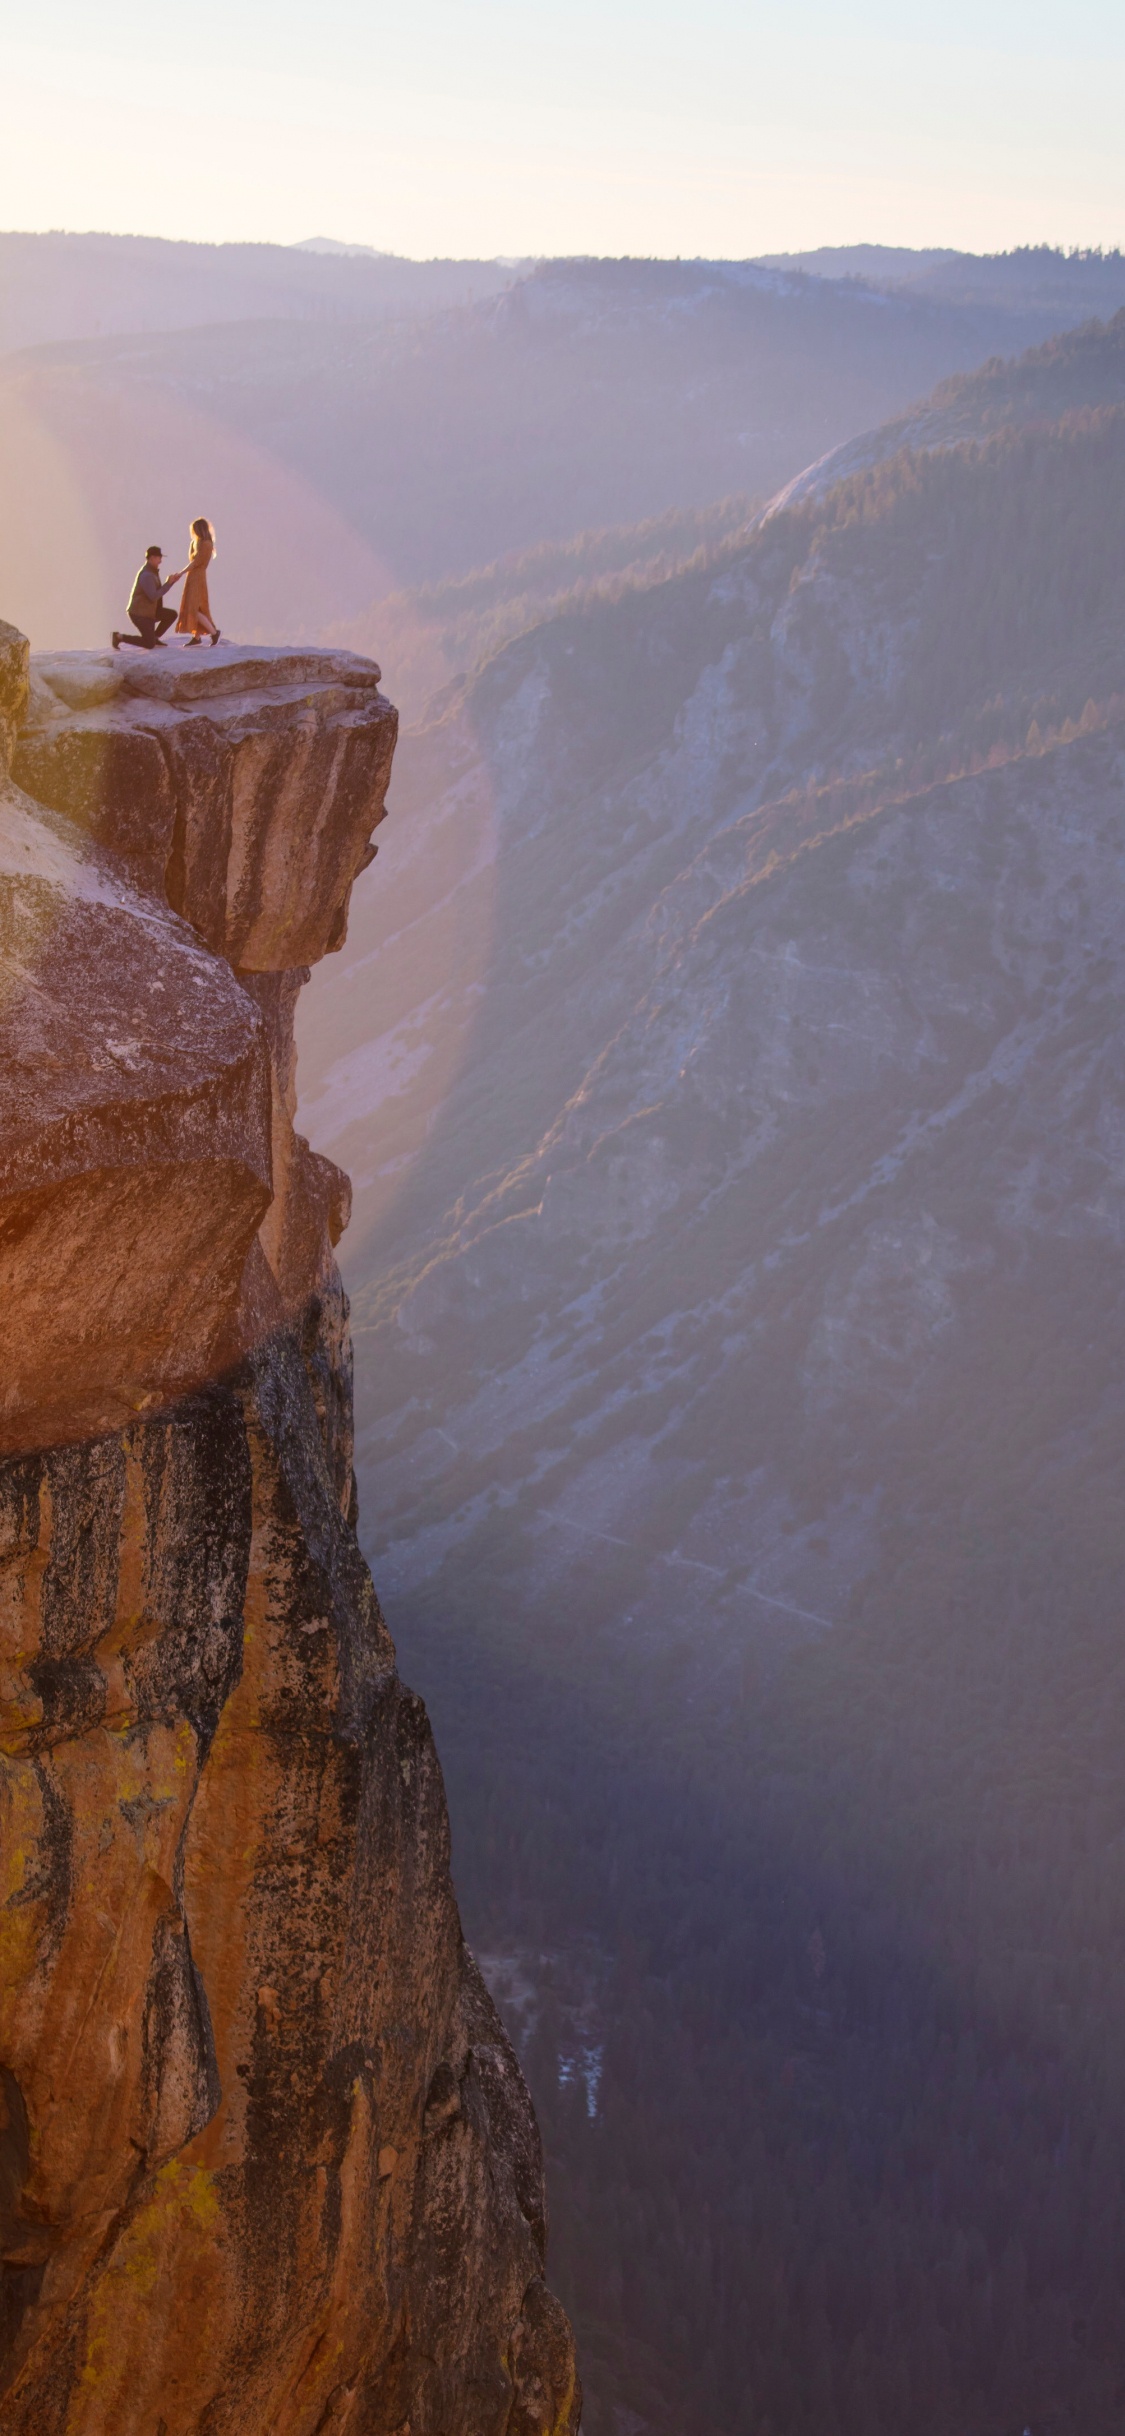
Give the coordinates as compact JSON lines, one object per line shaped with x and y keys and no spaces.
{"x":480,"y":127}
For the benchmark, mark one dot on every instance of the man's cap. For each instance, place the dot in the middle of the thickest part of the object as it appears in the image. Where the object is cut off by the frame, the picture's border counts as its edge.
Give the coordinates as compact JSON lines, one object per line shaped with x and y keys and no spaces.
{"x":154,"y":550}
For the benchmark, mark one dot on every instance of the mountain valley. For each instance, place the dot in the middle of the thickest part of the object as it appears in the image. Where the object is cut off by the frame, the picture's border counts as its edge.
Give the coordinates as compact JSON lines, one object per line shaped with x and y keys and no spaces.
{"x":731,"y":1079}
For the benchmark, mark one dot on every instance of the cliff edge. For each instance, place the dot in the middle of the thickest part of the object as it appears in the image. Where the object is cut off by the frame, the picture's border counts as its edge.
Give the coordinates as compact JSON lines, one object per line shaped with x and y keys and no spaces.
{"x":267,"y":2163}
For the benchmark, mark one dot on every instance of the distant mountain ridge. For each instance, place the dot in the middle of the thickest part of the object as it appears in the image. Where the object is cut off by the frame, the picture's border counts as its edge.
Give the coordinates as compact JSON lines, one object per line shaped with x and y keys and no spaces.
{"x":58,"y":287}
{"x":337,"y":245}
{"x":1080,"y":369}
{"x":356,"y":442}
{"x":452,"y":627}
{"x":1081,"y":280}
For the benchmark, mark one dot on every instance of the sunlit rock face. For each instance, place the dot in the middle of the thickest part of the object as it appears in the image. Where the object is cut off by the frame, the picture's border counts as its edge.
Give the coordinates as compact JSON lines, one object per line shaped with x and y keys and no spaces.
{"x":242,"y":790}
{"x":134,"y":1141}
{"x":267,"y":2163}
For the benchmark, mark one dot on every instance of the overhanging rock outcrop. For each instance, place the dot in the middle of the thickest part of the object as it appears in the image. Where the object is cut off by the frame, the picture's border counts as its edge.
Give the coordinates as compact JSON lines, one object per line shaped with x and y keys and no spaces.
{"x":242,"y":791}
{"x":267,"y":2163}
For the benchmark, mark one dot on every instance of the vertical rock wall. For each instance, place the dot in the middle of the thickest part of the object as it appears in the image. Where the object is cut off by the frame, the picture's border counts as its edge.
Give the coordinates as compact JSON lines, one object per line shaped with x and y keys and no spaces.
{"x":267,"y":2163}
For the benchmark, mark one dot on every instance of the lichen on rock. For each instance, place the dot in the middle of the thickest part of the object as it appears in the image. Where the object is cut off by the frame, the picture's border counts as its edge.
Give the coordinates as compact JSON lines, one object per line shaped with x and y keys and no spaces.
{"x":267,"y":2162}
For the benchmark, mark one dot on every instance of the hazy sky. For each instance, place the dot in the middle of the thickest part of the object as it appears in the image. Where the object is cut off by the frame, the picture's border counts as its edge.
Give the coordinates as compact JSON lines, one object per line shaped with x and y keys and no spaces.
{"x":600,"y":126}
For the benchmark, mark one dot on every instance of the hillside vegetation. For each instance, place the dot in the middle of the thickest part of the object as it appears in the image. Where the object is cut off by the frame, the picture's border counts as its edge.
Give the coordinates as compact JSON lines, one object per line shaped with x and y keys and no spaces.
{"x":741,"y":1447}
{"x":348,"y":454}
{"x":1072,"y":389}
{"x":1084,"y":279}
{"x":1077,"y":369}
{"x":441,"y":633}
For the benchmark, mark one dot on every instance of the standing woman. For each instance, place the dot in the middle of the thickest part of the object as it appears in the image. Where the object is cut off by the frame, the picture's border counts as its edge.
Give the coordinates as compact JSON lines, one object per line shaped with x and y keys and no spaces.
{"x":195,"y":617}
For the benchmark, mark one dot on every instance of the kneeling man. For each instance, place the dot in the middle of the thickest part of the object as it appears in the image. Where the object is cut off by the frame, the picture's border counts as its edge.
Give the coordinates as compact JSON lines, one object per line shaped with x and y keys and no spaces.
{"x":146,"y":604}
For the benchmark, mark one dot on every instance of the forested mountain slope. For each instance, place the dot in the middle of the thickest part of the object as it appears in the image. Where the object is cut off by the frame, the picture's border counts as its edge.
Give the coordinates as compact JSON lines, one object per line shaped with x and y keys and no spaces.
{"x":344,"y":459}
{"x":655,"y":774}
{"x":1081,"y":368}
{"x":744,"y":1441}
{"x":441,"y":632}
{"x":444,"y":629}
{"x":1083,"y":281}
{"x":60,"y":285}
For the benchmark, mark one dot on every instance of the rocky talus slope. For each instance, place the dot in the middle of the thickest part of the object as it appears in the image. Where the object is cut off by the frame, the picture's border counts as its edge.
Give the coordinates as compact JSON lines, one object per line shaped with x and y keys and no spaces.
{"x":267,"y":2164}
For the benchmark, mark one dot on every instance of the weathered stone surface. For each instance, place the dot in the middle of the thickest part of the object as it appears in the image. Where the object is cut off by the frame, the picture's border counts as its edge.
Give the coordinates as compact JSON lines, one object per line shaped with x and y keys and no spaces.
{"x":135,"y":1156}
{"x":244,"y":783}
{"x":267,"y":2163}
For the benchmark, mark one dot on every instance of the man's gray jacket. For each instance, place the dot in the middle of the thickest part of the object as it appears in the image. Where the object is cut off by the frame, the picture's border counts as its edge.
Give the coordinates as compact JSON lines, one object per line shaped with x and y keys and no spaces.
{"x":148,"y":592}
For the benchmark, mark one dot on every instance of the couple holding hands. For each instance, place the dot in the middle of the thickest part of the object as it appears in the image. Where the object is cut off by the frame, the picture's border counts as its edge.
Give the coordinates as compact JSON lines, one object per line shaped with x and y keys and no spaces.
{"x":146,"y":602}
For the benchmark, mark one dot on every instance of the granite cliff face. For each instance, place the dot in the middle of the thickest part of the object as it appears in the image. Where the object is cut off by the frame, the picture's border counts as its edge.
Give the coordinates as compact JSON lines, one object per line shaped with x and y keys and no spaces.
{"x":267,"y":2163}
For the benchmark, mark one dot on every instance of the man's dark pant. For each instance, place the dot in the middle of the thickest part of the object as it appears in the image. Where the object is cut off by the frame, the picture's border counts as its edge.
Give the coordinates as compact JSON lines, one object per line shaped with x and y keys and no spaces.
{"x":149,"y":629}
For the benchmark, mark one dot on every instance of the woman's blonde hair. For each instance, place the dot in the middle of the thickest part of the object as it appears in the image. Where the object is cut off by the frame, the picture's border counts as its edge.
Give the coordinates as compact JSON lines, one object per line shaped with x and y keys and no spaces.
{"x":201,"y":526}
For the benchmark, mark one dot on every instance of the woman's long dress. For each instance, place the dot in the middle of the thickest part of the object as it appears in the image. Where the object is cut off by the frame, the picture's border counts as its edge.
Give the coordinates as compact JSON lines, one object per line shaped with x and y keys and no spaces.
{"x":195,"y":608}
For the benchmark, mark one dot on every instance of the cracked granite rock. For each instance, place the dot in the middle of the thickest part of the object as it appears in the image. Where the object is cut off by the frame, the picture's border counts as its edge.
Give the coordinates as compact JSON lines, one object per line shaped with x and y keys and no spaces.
{"x":267,"y":2161}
